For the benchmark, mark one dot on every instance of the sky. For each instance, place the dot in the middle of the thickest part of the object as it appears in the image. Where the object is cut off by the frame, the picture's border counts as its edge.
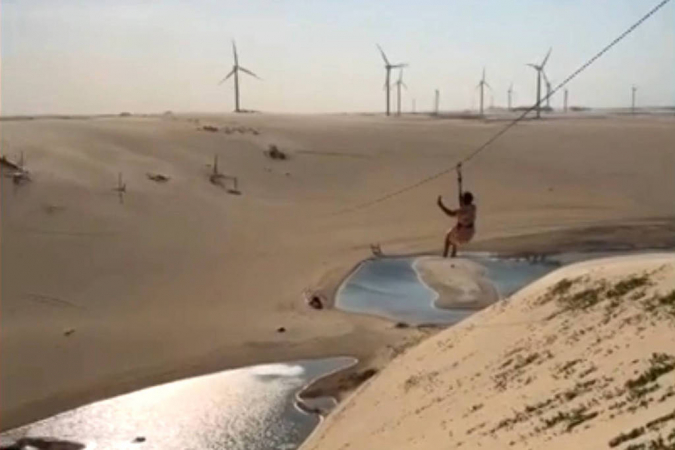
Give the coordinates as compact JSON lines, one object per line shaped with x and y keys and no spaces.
{"x":144,"y":56}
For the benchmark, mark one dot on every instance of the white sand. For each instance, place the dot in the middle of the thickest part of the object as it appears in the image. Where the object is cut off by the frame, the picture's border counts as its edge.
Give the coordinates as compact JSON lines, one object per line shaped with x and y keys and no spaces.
{"x":459,"y":283}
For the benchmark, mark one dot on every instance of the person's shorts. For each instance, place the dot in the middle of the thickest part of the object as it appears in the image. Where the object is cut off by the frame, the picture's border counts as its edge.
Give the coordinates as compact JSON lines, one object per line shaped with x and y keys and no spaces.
{"x":461,"y":235}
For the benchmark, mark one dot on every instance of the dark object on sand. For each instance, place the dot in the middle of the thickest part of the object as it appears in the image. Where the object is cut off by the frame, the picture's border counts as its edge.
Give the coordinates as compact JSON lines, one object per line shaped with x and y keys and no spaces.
{"x":20,"y":177}
{"x":6,"y":163}
{"x":121,"y":185}
{"x":125,"y":114}
{"x":219,"y":179}
{"x":17,"y":171}
{"x":274,"y":153}
{"x":138,"y":440}
{"x":281,"y":330}
{"x":121,"y":188}
{"x":43,"y":444}
{"x":376,"y":250}
{"x":158,"y":177}
{"x":210,"y":128}
{"x":68,"y":332}
{"x":315,"y":301}
{"x":401,"y":325}
{"x":359,"y":377}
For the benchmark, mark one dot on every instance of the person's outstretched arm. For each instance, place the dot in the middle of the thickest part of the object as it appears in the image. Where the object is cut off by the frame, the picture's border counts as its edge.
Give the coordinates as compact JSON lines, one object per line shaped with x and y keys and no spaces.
{"x":445,"y":209}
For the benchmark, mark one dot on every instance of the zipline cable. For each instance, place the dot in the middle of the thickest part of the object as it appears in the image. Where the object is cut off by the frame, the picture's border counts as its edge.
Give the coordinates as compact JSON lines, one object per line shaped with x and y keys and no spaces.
{"x":511,"y":124}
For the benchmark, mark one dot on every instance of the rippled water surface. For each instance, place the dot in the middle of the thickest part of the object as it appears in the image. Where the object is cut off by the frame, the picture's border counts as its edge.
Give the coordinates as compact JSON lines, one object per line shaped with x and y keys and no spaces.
{"x":252,"y":408}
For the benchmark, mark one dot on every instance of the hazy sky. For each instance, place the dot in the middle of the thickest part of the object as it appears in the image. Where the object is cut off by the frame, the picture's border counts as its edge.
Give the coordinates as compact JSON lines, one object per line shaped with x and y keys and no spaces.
{"x":94,"y":56}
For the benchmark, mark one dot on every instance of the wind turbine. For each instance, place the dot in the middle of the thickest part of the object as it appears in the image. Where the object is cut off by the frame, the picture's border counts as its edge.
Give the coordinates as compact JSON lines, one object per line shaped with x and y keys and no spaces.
{"x":399,"y":83}
{"x":235,"y":71}
{"x":632,"y":107}
{"x":548,"y":90}
{"x":388,"y":66}
{"x":481,"y":85}
{"x":510,"y":95}
{"x":540,"y":69}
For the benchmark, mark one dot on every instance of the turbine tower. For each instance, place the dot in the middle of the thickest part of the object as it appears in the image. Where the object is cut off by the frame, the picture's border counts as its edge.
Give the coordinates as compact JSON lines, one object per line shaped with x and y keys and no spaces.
{"x":235,"y":71}
{"x":540,"y":69}
{"x":548,"y":90}
{"x":481,"y":85}
{"x":510,"y":96}
{"x":387,"y":82}
{"x":437,"y":101}
{"x":632,"y":107}
{"x":566,"y":97}
{"x":399,"y":83}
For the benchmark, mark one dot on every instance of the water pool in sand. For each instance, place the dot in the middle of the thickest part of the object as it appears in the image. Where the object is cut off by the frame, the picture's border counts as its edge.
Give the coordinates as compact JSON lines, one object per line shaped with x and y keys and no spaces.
{"x":391,"y":288}
{"x":248,"y":408}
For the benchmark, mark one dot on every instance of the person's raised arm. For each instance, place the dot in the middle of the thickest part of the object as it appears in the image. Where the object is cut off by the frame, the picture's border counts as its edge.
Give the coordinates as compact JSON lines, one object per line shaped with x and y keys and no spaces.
{"x":445,"y":209}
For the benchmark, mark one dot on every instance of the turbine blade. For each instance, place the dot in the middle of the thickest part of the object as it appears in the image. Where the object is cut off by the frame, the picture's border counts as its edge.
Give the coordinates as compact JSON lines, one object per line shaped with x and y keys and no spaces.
{"x":534,"y":66}
{"x":543,"y":63}
{"x":234,"y":51}
{"x":404,"y":85}
{"x":249,"y":72}
{"x":483,"y":74}
{"x":545,"y":77}
{"x":386,"y":61}
{"x":399,"y":66}
{"x":486,"y":84}
{"x":228,"y":76}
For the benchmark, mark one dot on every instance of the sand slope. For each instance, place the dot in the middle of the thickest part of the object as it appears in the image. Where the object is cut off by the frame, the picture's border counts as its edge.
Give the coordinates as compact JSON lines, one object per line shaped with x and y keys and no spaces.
{"x":183,"y":278}
{"x":579,"y":359}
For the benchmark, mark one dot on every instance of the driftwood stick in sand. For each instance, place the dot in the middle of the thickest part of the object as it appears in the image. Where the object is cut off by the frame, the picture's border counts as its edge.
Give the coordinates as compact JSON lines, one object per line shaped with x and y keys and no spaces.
{"x":219,"y":179}
{"x":6,"y":163}
{"x":18,"y":172}
{"x":121,"y":188}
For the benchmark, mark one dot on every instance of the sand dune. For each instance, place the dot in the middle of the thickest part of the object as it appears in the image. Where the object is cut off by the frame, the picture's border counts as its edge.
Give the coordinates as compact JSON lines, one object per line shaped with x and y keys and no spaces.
{"x":102,"y":294}
{"x":583,"y":358}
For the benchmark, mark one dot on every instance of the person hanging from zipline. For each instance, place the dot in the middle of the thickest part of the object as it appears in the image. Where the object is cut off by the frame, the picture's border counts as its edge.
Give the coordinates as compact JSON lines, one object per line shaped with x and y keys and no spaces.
{"x":464,"y":230}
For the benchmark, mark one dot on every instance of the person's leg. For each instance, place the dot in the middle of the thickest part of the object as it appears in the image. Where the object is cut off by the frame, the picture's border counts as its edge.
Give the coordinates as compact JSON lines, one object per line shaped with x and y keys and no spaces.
{"x":451,"y":241}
